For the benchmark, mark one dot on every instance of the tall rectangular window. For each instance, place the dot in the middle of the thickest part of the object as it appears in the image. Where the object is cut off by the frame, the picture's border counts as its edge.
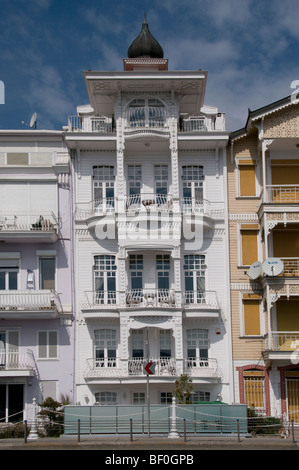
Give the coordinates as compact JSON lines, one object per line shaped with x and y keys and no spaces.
{"x":47,"y":345}
{"x":251,"y":315}
{"x":194,"y":267}
{"x":247,"y":184}
{"x":197,"y":344}
{"x":249,"y":242}
{"x":47,"y":269}
{"x":103,"y":187}
{"x":105,"y":279}
{"x":105,"y":347}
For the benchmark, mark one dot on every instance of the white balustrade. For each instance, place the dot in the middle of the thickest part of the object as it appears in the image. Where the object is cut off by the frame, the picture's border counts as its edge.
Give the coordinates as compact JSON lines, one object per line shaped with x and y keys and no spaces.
{"x":23,"y":221}
{"x":28,"y":300}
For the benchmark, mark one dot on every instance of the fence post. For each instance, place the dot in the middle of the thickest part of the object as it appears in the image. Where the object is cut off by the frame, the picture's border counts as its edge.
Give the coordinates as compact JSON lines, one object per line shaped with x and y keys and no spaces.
{"x":293,"y":432}
{"x":131,"y":429}
{"x":173,"y":430}
{"x":185,"y":437}
{"x":238,"y":430}
{"x":79,"y":430}
{"x":33,"y":432}
{"x":25,"y":431}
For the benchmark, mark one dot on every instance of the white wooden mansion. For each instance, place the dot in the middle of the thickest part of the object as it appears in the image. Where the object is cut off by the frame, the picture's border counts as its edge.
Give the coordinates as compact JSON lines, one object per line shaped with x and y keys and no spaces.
{"x":148,"y":161}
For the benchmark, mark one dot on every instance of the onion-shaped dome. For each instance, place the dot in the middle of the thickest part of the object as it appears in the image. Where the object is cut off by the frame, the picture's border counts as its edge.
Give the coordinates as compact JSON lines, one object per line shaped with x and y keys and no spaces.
{"x":145,"y":45}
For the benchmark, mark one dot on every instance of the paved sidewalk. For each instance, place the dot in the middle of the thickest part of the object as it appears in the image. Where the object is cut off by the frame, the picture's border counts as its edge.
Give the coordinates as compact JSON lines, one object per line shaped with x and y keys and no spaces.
{"x":152,"y":444}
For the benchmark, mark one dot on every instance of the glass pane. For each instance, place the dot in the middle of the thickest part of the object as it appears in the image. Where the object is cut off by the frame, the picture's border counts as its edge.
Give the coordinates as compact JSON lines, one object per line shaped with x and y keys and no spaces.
{"x":52,"y":344}
{"x":2,"y":280}
{"x":42,"y":344}
{"x":12,"y":280}
{"x":47,"y":273}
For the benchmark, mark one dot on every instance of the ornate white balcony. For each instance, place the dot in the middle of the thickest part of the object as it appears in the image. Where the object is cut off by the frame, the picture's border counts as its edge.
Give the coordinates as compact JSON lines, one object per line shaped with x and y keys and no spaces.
{"x":164,"y":366}
{"x":36,"y":227}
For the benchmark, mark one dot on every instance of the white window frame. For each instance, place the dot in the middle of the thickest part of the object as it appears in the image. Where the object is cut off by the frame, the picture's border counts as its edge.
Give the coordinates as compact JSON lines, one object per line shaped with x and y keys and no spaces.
{"x":47,"y":345}
{"x":106,"y":341}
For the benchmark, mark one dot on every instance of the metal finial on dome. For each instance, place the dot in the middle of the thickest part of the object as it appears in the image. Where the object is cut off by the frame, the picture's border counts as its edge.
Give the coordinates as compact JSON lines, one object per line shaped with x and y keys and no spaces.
{"x":145,"y":45}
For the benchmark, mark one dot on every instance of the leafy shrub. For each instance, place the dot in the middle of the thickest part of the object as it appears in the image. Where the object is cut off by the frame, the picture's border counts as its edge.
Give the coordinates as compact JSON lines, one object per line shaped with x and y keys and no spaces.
{"x":51,"y":415}
{"x":263,"y":424}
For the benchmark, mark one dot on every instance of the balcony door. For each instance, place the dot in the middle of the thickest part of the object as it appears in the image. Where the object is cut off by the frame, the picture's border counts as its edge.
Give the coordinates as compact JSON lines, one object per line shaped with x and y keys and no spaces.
{"x":194,"y":269}
{"x":105,"y":279}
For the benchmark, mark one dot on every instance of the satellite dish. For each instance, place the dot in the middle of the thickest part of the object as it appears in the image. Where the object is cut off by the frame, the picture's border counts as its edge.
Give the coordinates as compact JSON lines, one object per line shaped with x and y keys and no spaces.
{"x":32,"y":121}
{"x":255,"y":270}
{"x":272,"y":266}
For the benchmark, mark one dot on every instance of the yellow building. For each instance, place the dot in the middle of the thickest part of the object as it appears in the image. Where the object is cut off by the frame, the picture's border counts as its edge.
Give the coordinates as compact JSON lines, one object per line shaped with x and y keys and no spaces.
{"x":263,"y":197}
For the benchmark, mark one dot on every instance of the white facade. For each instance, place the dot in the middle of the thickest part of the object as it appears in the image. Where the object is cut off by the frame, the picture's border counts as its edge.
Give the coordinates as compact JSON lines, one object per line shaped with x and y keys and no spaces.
{"x":150,"y":241}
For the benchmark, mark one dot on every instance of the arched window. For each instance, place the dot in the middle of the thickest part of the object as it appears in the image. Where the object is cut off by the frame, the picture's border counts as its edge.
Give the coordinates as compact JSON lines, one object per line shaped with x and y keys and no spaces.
{"x":146,"y":112}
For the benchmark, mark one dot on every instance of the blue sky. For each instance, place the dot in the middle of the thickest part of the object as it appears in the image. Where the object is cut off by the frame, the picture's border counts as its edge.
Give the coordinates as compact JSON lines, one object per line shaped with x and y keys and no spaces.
{"x":249,"y":48}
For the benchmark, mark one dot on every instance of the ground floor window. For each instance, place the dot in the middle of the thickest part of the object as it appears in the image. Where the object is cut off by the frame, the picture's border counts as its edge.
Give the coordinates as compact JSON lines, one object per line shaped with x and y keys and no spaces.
{"x":198,"y":396}
{"x":105,"y":398}
{"x":138,"y":398}
{"x":166,"y":398}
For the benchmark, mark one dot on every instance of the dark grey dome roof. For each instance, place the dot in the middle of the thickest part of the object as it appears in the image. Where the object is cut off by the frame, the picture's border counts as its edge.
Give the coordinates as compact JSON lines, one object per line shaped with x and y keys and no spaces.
{"x":145,"y":45}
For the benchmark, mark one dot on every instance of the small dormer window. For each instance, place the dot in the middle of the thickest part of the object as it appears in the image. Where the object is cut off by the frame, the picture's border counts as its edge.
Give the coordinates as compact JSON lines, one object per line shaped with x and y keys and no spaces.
{"x":146,"y":113}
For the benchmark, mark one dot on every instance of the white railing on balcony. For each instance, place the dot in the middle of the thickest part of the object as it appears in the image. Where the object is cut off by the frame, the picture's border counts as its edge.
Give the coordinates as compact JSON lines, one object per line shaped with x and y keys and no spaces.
{"x":283,"y":341}
{"x":150,"y":201}
{"x":282,"y":194}
{"x":202,"y":206}
{"x":201,"y":298}
{"x":290,"y":267}
{"x":133,"y":298}
{"x":94,"y":299}
{"x":164,"y":366}
{"x":22,"y":221}
{"x":11,"y":360}
{"x":85,"y":210}
{"x":201,"y":367}
{"x":28,"y":300}
{"x":91,"y":124}
{"x":150,"y":298}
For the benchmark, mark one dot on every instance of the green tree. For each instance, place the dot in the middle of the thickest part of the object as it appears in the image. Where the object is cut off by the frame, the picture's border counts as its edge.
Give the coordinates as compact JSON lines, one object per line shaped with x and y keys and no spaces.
{"x":183,"y":389}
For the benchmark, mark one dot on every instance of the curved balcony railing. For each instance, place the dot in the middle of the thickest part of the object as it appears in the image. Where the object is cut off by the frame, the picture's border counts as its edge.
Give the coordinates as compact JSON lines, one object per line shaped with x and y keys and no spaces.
{"x":150,"y":298}
{"x":149,"y":201}
{"x":164,"y":366}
